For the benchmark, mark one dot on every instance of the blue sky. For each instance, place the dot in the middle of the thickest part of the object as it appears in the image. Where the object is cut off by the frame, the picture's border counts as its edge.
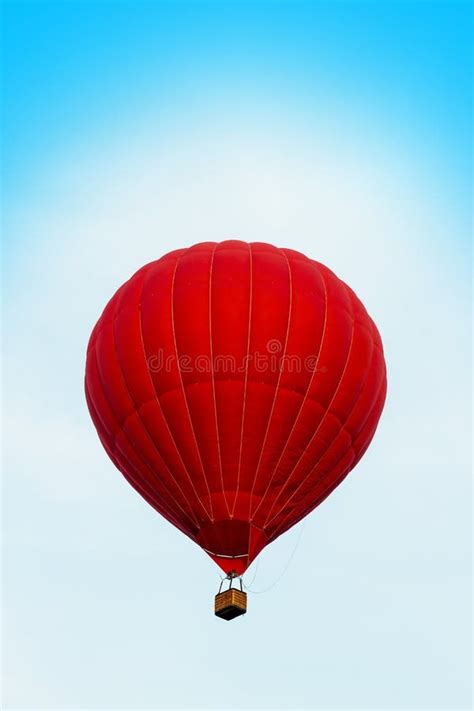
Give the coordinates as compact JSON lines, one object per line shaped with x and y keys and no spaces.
{"x":341,"y":129}
{"x":73,"y":62}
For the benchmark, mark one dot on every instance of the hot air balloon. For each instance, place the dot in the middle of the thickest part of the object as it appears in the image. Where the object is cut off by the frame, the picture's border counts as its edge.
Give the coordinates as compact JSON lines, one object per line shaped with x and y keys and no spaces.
{"x":235,"y":386}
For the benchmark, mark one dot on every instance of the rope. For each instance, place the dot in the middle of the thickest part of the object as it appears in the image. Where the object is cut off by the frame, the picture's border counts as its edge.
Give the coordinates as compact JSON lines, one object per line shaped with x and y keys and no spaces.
{"x":254,"y":575}
{"x":288,"y":563}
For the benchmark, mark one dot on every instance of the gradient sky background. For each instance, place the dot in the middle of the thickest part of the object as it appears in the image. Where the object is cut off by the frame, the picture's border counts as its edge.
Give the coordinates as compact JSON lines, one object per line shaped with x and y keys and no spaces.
{"x":339,"y":129}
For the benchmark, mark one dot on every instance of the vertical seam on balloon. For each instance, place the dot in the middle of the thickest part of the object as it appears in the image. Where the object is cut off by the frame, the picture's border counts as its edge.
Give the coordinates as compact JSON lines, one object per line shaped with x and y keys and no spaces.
{"x":306,"y":395}
{"x":368,"y":433}
{"x":119,"y":428}
{"x":268,"y":519}
{"x":305,"y":512}
{"x":346,"y":471}
{"x":212,"y":378}
{"x":321,"y":479}
{"x":244,"y":401}
{"x":145,"y":428}
{"x":183,"y":388}
{"x":275,"y":396}
{"x":95,"y":413}
{"x":116,"y":458}
{"x":139,"y":455}
{"x":142,"y":340}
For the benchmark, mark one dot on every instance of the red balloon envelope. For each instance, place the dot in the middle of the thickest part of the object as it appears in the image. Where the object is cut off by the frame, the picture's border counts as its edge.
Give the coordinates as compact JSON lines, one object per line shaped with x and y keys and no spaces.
{"x":235,"y":385}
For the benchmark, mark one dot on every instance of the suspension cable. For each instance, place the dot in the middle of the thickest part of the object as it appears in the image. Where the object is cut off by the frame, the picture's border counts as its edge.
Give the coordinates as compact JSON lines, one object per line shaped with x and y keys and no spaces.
{"x":287,"y":565}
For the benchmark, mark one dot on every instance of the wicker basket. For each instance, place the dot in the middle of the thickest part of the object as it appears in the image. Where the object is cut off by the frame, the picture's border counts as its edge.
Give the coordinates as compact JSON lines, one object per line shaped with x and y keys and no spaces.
{"x":230,"y":603}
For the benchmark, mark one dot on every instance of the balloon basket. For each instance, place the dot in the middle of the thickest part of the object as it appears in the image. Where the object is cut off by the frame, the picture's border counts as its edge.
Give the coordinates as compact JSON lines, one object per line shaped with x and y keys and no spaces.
{"x":230,"y":603}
